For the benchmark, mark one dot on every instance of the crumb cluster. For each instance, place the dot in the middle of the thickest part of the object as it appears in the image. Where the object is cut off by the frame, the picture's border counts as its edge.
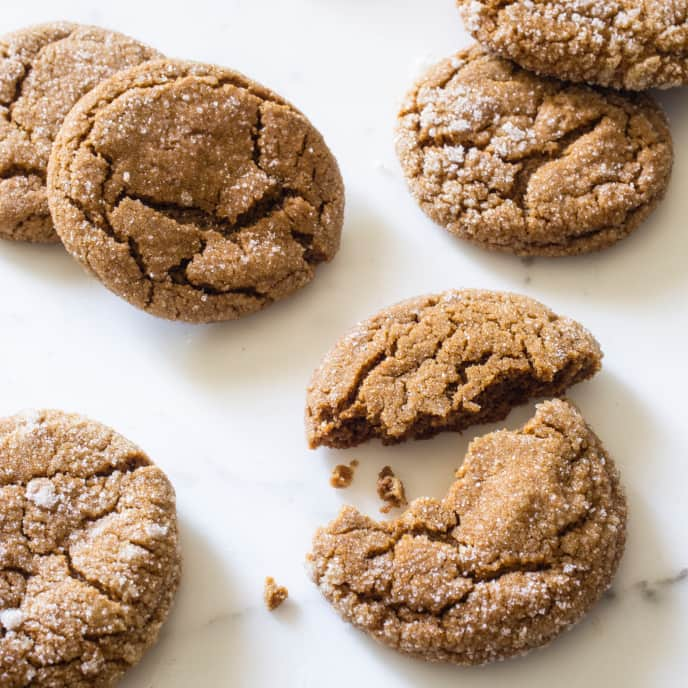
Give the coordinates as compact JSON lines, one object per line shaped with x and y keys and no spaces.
{"x":342,"y":476}
{"x":390,"y":490}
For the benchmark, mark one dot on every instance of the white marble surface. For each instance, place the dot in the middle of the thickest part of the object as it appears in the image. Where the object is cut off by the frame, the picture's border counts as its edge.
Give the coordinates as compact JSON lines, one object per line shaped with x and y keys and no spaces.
{"x":220,"y":407}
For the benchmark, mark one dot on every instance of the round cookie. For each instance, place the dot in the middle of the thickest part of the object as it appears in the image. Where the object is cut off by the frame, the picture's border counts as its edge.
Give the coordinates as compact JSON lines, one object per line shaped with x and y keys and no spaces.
{"x":44,"y":70}
{"x":530,"y":165}
{"x":627,"y":44}
{"x":527,"y":540}
{"x":443,"y":362}
{"x":193,"y":192}
{"x":89,"y":562}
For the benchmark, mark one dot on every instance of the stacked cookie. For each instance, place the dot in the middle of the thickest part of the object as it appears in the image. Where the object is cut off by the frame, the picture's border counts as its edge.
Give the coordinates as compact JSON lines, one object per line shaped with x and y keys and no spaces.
{"x":520,"y":161}
{"x":187,"y":189}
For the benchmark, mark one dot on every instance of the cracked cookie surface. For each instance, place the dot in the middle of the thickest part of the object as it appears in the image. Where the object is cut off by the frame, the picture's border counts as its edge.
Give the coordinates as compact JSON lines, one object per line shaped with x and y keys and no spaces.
{"x":529,"y":165}
{"x":89,"y":561}
{"x":44,"y":70}
{"x":627,"y":44}
{"x":443,"y":362}
{"x":527,"y":539}
{"x":194,"y":193}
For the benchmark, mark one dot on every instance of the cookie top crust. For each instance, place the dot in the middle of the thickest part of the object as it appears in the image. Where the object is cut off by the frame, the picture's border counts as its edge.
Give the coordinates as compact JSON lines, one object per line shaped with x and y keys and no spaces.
{"x":443,"y":362}
{"x":193,"y":192}
{"x":529,"y":165}
{"x":526,"y":541}
{"x":626,"y":44}
{"x":44,"y":71}
{"x":89,"y":562}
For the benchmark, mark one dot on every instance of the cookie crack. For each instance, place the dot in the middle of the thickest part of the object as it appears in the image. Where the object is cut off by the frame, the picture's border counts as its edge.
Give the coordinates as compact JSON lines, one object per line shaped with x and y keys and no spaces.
{"x":19,"y":170}
{"x":533,"y":164}
{"x":256,"y":134}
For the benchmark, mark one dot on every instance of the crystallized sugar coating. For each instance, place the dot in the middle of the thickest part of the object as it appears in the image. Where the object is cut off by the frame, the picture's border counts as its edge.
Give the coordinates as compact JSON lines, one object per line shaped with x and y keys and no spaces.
{"x":526,"y":541}
{"x":529,"y":165}
{"x":194,"y":193}
{"x":44,"y":70}
{"x":443,"y":362}
{"x":630,"y":44}
{"x":89,"y":558}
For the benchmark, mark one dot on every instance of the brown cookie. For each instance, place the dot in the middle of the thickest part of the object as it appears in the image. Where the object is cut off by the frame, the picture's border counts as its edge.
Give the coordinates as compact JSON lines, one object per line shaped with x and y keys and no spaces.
{"x":529,"y":165}
{"x":443,"y":362}
{"x":89,"y":561}
{"x":194,"y":193}
{"x":44,"y":70}
{"x":526,"y":541}
{"x":630,"y":44}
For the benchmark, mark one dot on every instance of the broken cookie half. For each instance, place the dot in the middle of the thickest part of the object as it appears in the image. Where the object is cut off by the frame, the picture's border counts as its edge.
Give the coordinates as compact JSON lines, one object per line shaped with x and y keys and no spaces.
{"x":527,"y":540}
{"x":444,"y":362}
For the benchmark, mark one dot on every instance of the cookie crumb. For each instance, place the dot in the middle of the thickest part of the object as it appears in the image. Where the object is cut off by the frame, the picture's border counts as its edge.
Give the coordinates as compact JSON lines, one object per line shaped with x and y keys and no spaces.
{"x":342,"y":476}
{"x":390,"y":489}
{"x":274,"y":594}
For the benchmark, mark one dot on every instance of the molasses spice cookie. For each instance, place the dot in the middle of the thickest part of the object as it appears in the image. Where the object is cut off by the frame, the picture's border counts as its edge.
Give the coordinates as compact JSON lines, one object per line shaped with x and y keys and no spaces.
{"x":530,"y":165}
{"x":193,"y":192}
{"x":631,"y":44}
{"x":89,"y":562}
{"x":528,"y":538}
{"x":44,"y":70}
{"x":443,"y":362}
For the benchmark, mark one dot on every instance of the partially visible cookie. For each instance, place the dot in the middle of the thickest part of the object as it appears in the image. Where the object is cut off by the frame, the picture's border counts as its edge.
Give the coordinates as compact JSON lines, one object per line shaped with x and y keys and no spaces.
{"x":628,"y":44}
{"x":44,"y":70}
{"x":526,"y":541}
{"x":193,"y":192}
{"x":89,"y":562}
{"x":529,"y":165}
{"x":443,"y":362}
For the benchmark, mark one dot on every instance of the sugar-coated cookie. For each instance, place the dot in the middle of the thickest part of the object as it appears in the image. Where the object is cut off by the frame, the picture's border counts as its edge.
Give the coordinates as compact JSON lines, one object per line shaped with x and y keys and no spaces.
{"x":443,"y":362}
{"x":44,"y":70}
{"x":89,"y":562}
{"x":526,"y":541}
{"x":531,"y":165}
{"x":627,"y":44}
{"x":193,"y":192}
